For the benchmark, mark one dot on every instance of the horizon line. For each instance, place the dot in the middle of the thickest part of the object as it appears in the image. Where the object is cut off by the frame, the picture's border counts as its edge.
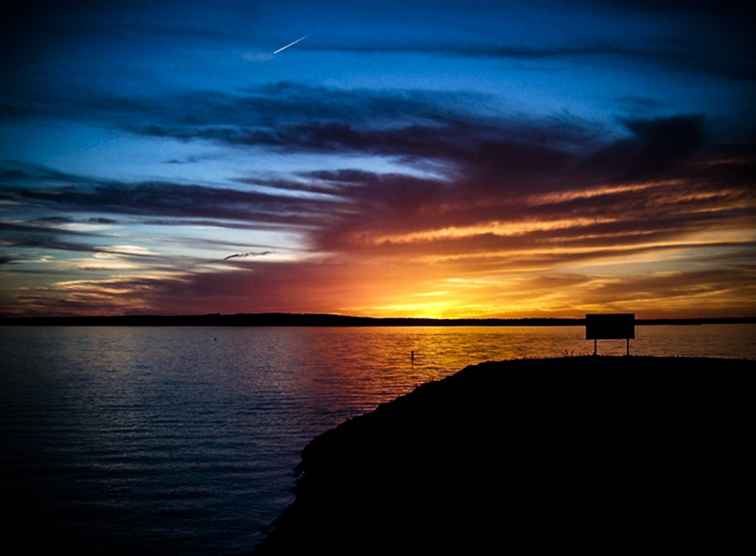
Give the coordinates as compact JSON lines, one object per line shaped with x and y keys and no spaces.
{"x":334,"y":319}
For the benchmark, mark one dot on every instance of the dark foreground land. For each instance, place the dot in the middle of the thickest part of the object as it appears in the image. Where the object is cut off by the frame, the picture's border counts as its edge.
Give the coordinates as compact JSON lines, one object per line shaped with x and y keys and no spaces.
{"x":586,"y":454}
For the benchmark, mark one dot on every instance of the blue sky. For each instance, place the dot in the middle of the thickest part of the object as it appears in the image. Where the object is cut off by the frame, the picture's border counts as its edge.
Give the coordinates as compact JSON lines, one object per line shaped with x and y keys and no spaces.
{"x":143,"y":142}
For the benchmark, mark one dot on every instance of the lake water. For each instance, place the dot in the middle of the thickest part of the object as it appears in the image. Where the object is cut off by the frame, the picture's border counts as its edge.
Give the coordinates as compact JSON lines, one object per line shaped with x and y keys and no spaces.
{"x":184,"y":439}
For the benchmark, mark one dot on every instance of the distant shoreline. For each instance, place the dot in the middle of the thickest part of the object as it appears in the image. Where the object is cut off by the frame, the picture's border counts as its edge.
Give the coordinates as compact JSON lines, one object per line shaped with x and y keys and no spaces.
{"x":315,"y":320}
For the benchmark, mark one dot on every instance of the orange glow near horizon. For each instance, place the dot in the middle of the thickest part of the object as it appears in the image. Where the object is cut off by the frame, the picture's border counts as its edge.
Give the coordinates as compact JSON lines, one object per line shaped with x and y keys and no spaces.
{"x":530,"y":263}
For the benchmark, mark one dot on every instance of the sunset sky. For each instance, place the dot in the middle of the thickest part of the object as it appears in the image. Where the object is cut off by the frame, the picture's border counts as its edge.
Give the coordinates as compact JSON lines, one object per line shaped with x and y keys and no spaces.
{"x":407,"y":158}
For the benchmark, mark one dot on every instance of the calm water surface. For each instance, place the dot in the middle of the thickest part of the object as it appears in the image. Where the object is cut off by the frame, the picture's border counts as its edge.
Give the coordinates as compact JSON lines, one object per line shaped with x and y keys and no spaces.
{"x":185,"y":438}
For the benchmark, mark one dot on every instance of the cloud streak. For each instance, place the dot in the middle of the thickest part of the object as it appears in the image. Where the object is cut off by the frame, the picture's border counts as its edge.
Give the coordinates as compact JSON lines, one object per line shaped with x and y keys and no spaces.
{"x":247,"y":254}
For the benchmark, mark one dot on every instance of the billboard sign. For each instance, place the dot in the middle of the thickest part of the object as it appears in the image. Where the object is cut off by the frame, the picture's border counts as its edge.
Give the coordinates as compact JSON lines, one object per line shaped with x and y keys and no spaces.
{"x":610,"y":326}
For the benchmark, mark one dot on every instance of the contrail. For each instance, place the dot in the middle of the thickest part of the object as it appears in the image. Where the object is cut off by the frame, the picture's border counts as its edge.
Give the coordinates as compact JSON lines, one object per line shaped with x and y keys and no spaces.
{"x":248,"y":254}
{"x":284,"y":47}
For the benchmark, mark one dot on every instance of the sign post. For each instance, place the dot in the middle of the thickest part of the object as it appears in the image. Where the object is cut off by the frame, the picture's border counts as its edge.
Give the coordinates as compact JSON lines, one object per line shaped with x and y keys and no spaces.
{"x":610,"y":326}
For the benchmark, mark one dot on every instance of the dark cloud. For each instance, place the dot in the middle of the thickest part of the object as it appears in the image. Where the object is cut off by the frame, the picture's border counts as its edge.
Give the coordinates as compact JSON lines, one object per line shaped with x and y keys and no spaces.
{"x":44,"y":226}
{"x":525,"y":151}
{"x":100,"y":220}
{"x":24,"y":174}
{"x":670,"y":54}
{"x":253,"y":109}
{"x":490,"y":171}
{"x":230,"y":224}
{"x":66,"y":220}
{"x":49,"y":242}
{"x":655,"y":146}
{"x":167,"y":199}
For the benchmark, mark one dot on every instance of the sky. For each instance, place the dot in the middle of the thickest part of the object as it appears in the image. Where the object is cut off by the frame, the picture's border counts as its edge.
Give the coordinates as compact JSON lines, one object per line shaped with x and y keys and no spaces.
{"x":407,"y":158}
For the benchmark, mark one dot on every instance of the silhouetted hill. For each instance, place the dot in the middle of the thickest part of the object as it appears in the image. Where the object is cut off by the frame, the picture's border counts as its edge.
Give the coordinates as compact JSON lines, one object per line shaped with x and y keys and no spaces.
{"x":311,"y":319}
{"x":586,"y":454}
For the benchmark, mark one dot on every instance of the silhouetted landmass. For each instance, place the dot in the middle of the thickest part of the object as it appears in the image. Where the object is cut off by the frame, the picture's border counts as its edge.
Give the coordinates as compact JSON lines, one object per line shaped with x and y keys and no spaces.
{"x":311,"y":319}
{"x":584,"y":454}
